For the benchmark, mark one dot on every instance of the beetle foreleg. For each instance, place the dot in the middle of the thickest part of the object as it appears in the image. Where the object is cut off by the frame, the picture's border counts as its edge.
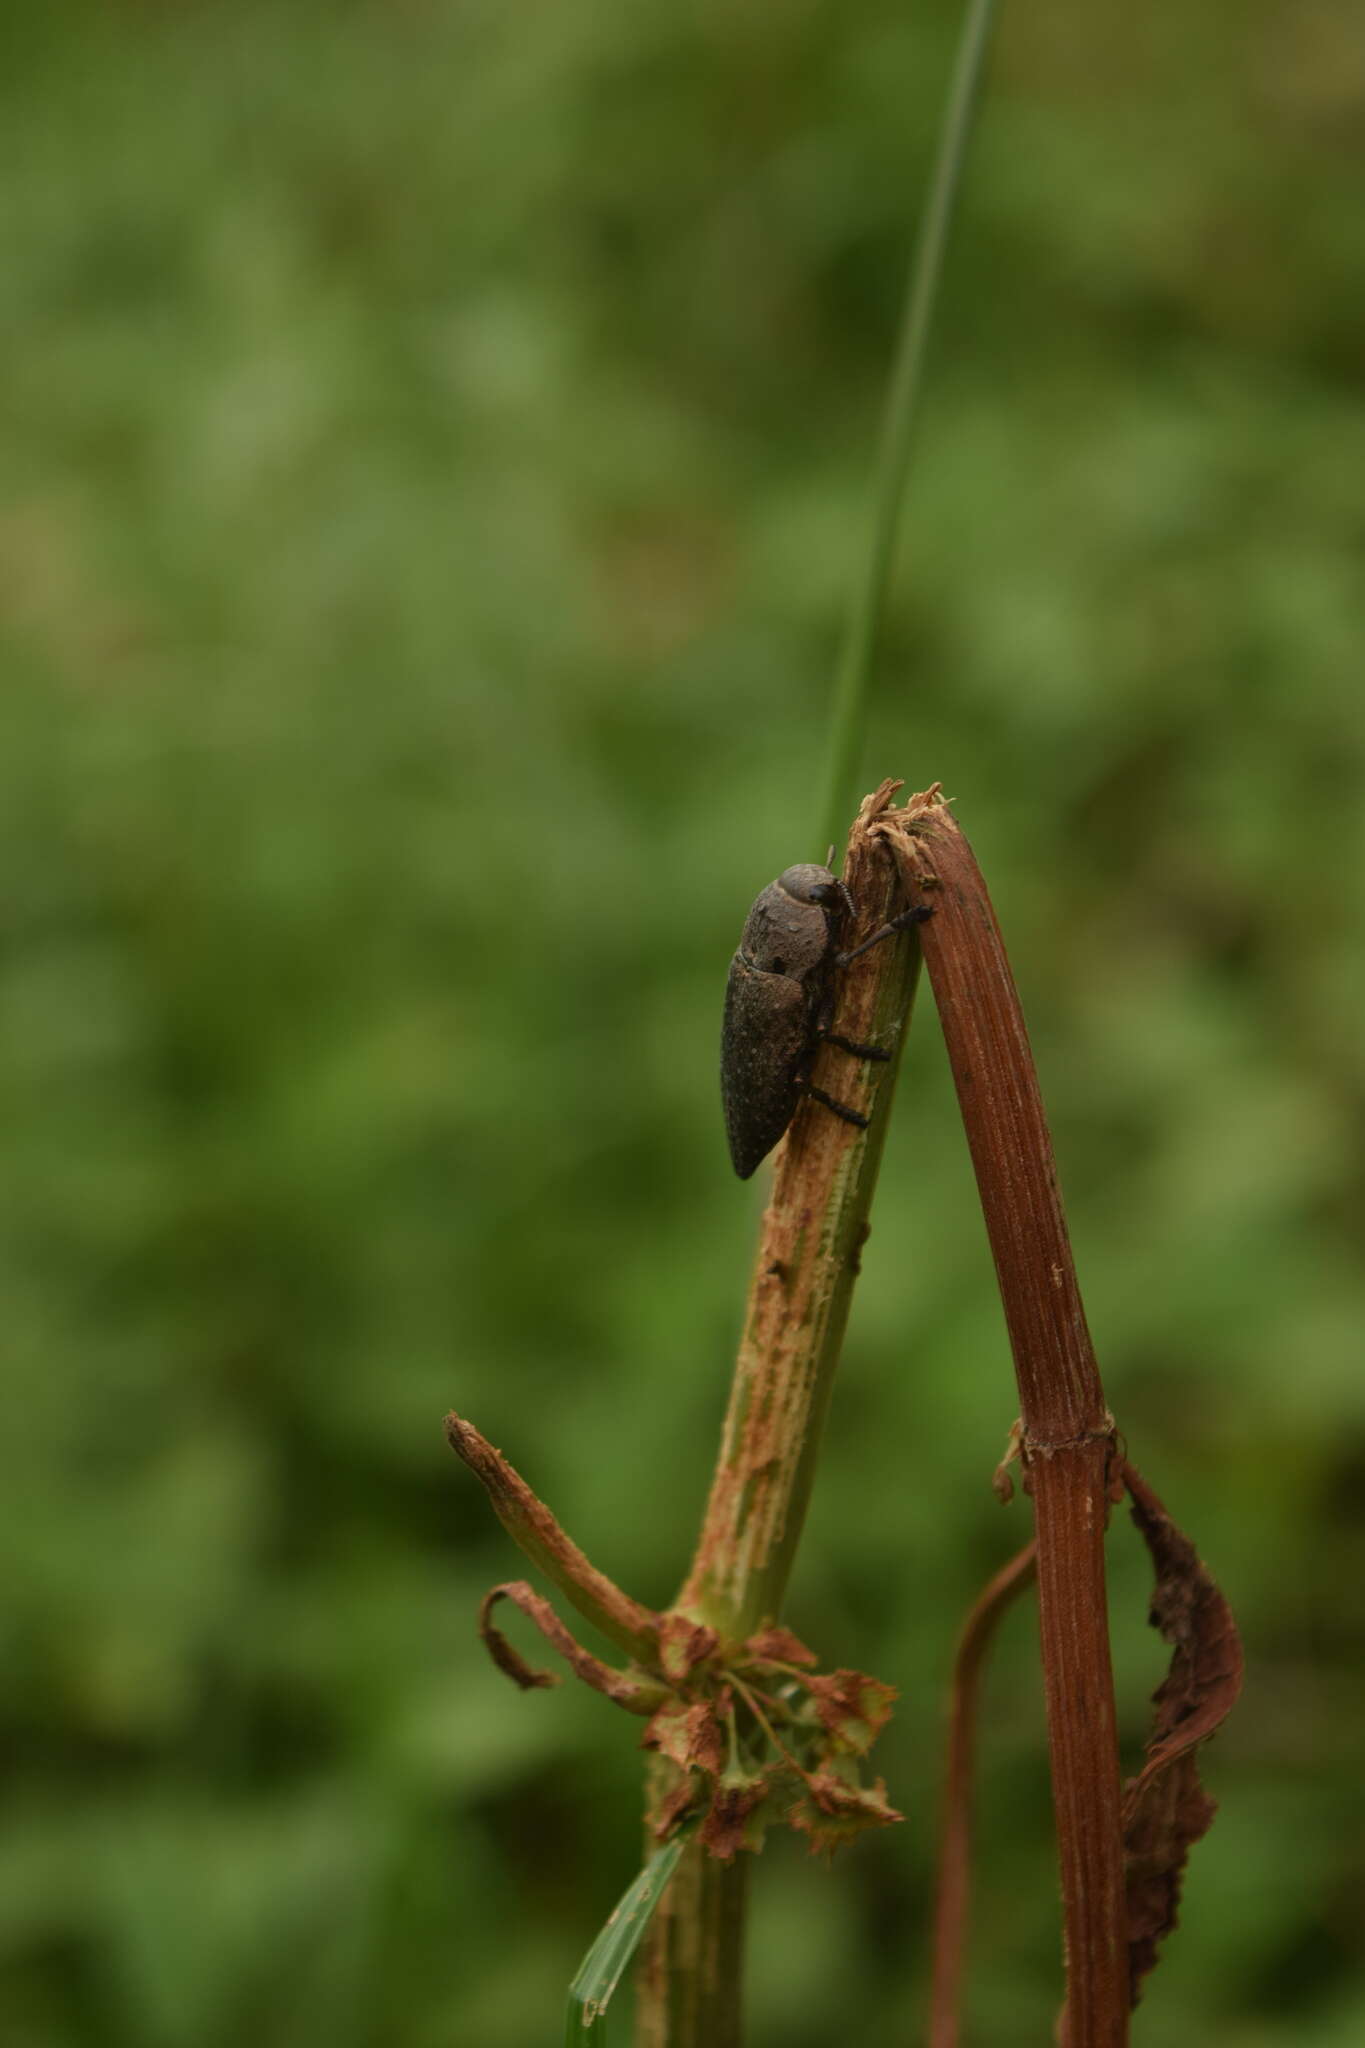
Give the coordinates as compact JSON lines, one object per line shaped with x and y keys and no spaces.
{"x":900,"y":923}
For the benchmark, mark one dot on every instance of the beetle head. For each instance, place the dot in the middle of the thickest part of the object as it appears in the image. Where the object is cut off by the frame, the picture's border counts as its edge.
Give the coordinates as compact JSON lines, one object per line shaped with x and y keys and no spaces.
{"x":810,"y":883}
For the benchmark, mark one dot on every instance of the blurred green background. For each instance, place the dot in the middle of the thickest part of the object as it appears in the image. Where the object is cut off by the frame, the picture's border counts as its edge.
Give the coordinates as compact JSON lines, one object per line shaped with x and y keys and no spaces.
{"x":436,"y":441}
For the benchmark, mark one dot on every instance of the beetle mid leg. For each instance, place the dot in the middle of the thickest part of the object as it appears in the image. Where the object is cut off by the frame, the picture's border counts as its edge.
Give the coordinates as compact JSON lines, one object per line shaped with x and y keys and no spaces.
{"x":820,"y":1032}
{"x":862,"y":1052}
{"x":850,"y":1116}
{"x":824,"y":1034}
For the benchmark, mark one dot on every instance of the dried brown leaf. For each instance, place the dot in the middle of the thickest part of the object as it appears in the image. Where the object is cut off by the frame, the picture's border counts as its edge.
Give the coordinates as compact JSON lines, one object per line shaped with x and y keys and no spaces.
{"x":731,"y":1824}
{"x":778,"y":1646}
{"x":675,"y":1805}
{"x":690,"y":1736}
{"x":852,"y":1707}
{"x":834,"y":1810}
{"x":1165,"y":1808}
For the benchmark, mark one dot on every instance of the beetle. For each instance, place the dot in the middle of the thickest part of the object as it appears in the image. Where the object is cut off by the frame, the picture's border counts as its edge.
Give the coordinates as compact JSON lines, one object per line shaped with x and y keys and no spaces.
{"x":779,"y":1003}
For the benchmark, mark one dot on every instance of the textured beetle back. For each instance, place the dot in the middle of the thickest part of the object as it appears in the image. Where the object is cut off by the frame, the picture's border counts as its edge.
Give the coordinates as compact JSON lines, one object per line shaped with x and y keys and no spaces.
{"x":767,"y":1023}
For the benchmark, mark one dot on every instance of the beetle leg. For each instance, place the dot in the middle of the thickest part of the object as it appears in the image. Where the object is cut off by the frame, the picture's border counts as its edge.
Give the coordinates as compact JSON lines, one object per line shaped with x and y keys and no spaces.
{"x":850,"y":1116}
{"x":864,"y":1052}
{"x":900,"y":923}
{"x":824,"y":1034}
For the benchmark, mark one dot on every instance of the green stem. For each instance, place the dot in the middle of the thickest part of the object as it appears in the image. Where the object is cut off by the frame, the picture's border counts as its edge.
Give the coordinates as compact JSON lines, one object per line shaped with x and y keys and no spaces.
{"x":688,"y":1994}
{"x":803,"y":1282}
{"x":690,"y":1991}
{"x":848,"y":716}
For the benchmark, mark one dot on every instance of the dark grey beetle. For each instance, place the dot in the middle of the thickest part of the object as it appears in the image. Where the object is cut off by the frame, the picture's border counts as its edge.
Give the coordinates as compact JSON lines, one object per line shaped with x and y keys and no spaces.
{"x":779,"y":1002}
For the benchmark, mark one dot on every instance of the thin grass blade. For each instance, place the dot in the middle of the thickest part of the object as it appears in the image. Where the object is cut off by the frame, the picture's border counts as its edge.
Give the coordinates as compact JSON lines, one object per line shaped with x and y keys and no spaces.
{"x":604,"y":1965}
{"x":853,"y":679}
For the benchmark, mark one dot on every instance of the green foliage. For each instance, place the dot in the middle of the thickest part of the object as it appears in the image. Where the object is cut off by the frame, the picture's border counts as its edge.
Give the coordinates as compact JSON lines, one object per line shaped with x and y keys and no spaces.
{"x":437,"y":442}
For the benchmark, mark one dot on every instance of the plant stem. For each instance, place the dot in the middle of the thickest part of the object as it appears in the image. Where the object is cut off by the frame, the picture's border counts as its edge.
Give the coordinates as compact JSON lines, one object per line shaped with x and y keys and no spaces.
{"x":954,"y":1861}
{"x":848,"y":717}
{"x":1068,"y":1434}
{"x":808,"y":1255}
{"x":688,"y":1989}
{"x":817,"y":1220}
{"x":802,"y":1285}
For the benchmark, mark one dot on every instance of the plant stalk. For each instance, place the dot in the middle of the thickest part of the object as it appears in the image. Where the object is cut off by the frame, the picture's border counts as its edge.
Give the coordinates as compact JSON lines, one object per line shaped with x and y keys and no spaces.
{"x":688,"y":1990}
{"x":1067,"y":1440}
{"x":954,"y":1862}
{"x":808,"y":1259}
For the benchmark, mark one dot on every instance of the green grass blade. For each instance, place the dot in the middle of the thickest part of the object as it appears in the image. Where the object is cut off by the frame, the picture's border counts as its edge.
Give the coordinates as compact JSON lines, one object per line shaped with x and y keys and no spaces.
{"x":848,"y":711}
{"x":604,"y":1965}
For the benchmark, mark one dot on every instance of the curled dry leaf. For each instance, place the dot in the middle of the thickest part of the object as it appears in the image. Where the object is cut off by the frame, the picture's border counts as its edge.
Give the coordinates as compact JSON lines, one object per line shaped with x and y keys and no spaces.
{"x":510,"y":1662}
{"x":1165,"y":1808}
{"x":635,"y":1695}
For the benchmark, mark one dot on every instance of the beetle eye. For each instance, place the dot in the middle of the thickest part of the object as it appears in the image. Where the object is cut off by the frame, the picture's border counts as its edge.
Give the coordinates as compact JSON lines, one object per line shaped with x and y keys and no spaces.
{"x":834,"y":896}
{"x":778,"y":967}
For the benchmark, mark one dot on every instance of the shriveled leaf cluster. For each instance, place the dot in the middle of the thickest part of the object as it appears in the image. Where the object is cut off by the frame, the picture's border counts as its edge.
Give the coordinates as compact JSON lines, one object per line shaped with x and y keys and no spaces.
{"x":764,"y":1740}
{"x":754,"y":1734}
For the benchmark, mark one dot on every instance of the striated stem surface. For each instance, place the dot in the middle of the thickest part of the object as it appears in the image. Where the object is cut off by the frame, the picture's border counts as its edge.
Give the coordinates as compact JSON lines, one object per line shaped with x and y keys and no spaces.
{"x":1068,"y":1433}
{"x":688,"y":1988}
{"x":808,"y":1257}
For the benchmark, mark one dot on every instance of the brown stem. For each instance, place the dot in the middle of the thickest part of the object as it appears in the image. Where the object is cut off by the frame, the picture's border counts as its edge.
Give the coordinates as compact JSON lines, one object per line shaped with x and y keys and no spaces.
{"x":954,"y":1862}
{"x":1068,"y":1432}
